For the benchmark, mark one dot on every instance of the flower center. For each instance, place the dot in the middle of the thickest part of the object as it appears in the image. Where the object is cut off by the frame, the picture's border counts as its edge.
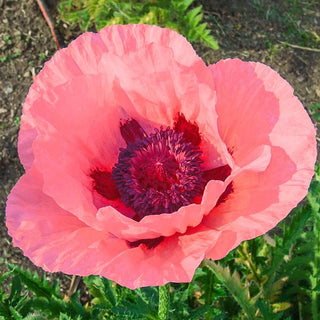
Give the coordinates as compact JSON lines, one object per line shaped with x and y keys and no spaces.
{"x":159,"y":173}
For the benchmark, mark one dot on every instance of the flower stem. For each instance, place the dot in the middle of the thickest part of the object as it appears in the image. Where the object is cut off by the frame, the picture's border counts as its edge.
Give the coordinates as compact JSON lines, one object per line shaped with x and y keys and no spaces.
{"x":210,"y":281}
{"x":316,"y":267}
{"x":164,"y":302}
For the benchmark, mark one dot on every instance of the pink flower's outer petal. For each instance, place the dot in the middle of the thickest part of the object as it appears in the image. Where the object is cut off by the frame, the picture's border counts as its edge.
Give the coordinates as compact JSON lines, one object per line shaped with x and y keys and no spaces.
{"x":247,"y":112}
{"x":247,"y":211}
{"x":74,"y":139}
{"x":83,"y":56}
{"x":123,"y":39}
{"x":57,"y":241}
{"x":52,"y":237}
{"x":27,"y":135}
{"x":260,"y":200}
{"x":294,"y":131}
{"x":173,"y":260}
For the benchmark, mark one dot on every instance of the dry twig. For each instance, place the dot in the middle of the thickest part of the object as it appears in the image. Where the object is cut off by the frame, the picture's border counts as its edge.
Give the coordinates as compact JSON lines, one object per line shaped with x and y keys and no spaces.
{"x":299,"y":47}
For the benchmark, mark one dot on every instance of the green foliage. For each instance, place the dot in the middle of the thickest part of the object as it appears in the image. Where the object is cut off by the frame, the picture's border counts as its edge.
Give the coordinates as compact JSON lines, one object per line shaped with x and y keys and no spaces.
{"x":9,"y":51}
{"x":315,"y":111}
{"x":233,"y":283}
{"x":29,"y":296}
{"x":17,"y":121}
{"x":173,"y":14}
{"x":117,"y":302}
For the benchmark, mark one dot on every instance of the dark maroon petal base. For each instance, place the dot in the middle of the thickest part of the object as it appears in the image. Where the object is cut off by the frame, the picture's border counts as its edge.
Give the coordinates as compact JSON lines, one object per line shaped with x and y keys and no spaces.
{"x":190,"y":131}
{"x":150,"y":243}
{"x":104,"y":184}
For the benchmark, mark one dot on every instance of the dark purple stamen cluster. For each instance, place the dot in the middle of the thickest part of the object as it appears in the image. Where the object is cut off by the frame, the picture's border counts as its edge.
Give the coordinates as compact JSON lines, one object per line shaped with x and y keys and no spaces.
{"x":159,"y":173}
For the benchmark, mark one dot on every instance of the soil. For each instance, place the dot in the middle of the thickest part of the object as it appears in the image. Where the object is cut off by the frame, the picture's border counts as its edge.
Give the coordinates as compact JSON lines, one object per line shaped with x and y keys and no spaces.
{"x":251,"y":31}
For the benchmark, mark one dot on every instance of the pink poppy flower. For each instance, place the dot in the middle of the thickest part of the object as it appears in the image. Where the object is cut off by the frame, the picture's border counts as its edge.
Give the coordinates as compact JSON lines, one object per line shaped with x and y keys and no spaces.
{"x":141,"y":161}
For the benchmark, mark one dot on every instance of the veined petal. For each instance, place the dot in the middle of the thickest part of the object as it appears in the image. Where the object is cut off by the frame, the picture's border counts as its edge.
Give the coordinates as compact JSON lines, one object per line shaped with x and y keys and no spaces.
{"x":57,"y":241}
{"x":247,"y":112}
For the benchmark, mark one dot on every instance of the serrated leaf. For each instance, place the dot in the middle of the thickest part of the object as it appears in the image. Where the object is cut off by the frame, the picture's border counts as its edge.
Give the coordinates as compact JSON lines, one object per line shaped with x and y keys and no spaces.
{"x":40,"y":286}
{"x":185,"y":4}
{"x":193,"y":13}
{"x":5,"y":276}
{"x":233,"y":283}
{"x":276,"y":288}
{"x":101,"y":289}
{"x":34,"y":316}
{"x":16,"y":288}
{"x":15,"y":314}
{"x":194,"y":22}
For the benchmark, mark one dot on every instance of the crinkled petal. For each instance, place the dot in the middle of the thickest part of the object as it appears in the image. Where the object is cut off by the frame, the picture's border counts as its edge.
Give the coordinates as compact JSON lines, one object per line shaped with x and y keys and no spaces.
{"x":158,"y":87}
{"x":52,"y":237}
{"x":76,"y":134}
{"x":173,"y":260}
{"x":82,"y":57}
{"x":247,"y":112}
{"x":57,"y":241}
{"x":247,"y":211}
{"x":122,"y":39}
{"x":27,"y":135}
{"x":261,"y":199}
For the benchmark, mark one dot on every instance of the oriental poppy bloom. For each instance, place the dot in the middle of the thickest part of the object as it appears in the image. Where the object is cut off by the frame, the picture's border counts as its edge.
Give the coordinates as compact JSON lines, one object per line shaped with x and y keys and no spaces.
{"x":141,"y":160}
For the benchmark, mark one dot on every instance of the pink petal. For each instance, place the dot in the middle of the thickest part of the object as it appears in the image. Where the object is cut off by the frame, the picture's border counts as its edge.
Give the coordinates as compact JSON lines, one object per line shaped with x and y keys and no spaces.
{"x":158,"y":88}
{"x":248,"y":211}
{"x":83,"y":57}
{"x":153,"y":226}
{"x":123,"y":39}
{"x":57,"y":241}
{"x":173,"y":260}
{"x":27,"y":135}
{"x":76,"y":135}
{"x":294,"y":131}
{"x":154,"y":80}
{"x":261,"y":199}
{"x":53,"y":238}
{"x":247,"y":112}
